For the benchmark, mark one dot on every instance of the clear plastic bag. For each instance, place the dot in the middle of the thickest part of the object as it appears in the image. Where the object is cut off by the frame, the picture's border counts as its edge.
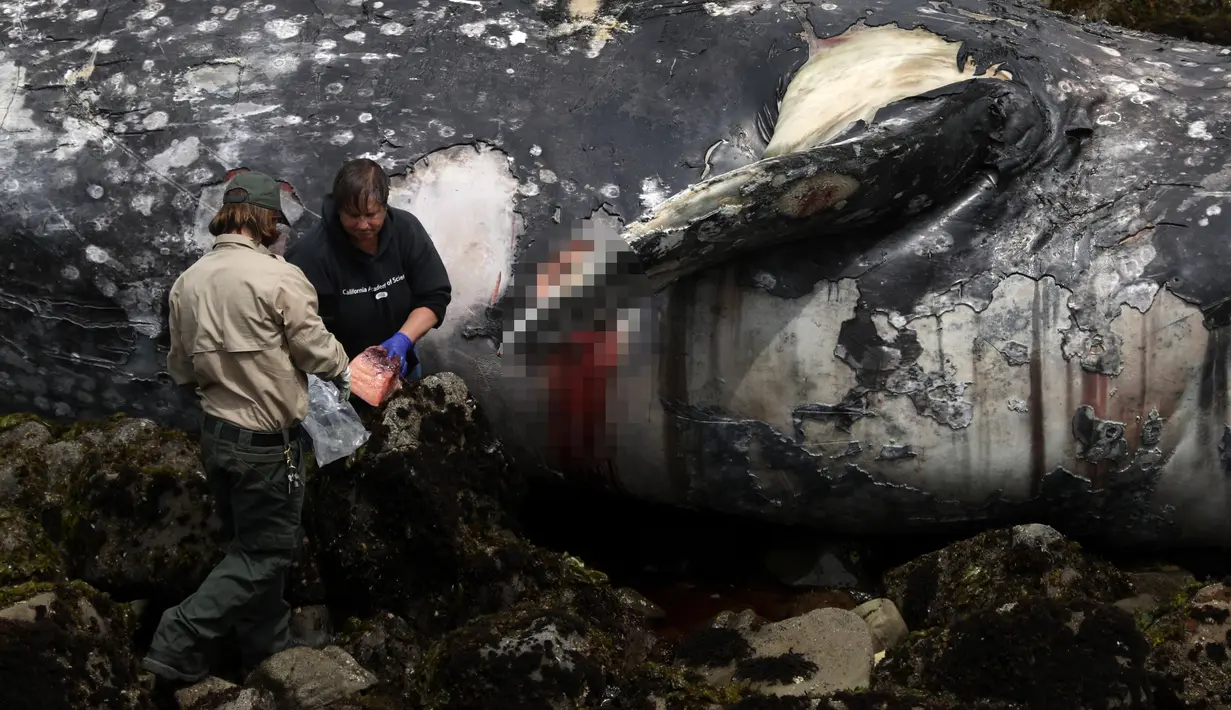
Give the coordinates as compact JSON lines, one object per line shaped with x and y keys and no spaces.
{"x":334,"y":426}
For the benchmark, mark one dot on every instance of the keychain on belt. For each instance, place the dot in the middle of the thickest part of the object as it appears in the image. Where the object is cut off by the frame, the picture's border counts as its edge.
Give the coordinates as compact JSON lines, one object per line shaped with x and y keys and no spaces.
{"x":292,"y":479}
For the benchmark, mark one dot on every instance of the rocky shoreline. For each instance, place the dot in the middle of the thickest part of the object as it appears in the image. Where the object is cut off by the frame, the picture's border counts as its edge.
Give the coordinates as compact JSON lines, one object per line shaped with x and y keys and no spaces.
{"x":416,"y":589}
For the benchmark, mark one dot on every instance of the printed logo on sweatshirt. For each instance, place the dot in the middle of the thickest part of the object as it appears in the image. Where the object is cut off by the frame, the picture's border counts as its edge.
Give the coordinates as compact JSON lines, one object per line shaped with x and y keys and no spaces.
{"x":377,"y":287}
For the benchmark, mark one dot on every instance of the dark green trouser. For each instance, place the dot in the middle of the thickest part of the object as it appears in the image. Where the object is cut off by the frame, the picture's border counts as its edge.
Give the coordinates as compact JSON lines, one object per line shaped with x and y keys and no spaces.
{"x":260,"y":501}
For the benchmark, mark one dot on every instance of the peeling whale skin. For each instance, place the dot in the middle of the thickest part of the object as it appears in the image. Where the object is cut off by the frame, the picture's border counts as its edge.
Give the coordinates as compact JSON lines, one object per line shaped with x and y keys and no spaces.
{"x":993,"y":292}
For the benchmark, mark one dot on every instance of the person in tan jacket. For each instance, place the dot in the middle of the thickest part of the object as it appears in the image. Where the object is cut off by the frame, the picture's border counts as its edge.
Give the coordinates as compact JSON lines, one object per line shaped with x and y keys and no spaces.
{"x":245,"y":333}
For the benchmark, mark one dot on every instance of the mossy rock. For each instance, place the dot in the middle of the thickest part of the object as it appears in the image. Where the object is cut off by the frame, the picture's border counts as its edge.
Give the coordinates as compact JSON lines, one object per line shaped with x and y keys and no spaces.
{"x":1189,"y":664}
{"x":996,"y":568}
{"x":138,"y":516}
{"x":1196,"y":20}
{"x":567,"y":648}
{"x":1040,"y":653}
{"x":906,"y":700}
{"x":124,"y":500}
{"x":66,"y":646}
{"x":420,"y":525}
{"x":26,"y":553}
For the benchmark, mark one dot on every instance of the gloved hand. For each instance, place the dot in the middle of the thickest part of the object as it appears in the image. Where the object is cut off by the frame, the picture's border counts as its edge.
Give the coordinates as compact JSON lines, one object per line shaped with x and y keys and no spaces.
{"x":398,"y":344}
{"x":342,"y":382}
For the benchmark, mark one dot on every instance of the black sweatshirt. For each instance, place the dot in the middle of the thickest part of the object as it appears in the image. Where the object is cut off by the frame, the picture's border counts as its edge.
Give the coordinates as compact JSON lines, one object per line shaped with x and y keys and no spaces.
{"x":365,"y":298}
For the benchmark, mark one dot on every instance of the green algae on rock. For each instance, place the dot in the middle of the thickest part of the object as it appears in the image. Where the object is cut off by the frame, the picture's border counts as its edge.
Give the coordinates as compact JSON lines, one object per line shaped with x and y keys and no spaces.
{"x":1039,"y":652}
{"x":1189,"y":665}
{"x":997,"y":567}
{"x":66,"y":646}
{"x":26,"y":553}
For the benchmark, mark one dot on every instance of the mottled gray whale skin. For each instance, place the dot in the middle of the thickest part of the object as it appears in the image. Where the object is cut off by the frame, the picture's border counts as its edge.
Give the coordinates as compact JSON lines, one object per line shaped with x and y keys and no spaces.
{"x":1001,"y":300}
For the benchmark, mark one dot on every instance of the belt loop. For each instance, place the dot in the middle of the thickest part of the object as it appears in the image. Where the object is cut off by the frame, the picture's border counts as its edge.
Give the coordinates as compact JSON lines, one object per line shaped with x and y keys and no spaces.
{"x":286,"y":438}
{"x":245,"y":437}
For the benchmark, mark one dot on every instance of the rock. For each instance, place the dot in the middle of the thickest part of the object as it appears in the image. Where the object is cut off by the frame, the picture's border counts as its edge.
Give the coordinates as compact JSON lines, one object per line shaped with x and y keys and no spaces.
{"x":67,"y":647}
{"x":140,"y":516}
{"x":217,"y":694}
{"x":1164,"y":582}
{"x":26,"y":553}
{"x":417,"y":525}
{"x":566,"y":649}
{"x":884,"y":620}
{"x":124,"y":500}
{"x":1197,"y":20}
{"x":1041,"y":653}
{"x":389,"y":647}
{"x":906,"y":700}
{"x":995,"y":568}
{"x":821,"y":652}
{"x":1189,"y":663}
{"x":311,"y":625}
{"x":307,"y":678}
{"x":636,"y":602}
{"x":825,"y":651}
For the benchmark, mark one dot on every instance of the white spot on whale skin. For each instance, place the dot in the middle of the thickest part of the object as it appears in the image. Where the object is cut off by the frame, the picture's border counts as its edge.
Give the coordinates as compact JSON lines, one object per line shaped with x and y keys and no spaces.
{"x":143,"y":204}
{"x":473,"y":30}
{"x":104,"y":46}
{"x":342,"y":138}
{"x":209,"y":26}
{"x":517,"y":37}
{"x":97,"y":255}
{"x":528,"y":189}
{"x":282,"y":29}
{"x":218,"y":10}
{"x":83,"y":15}
{"x":365,"y":117}
{"x":547,"y":176}
{"x":1109,"y":119}
{"x":496,"y":42}
{"x":232,"y":14}
{"x":150,"y":12}
{"x":1108,"y":50}
{"x":610,"y":191}
{"x":180,"y":154}
{"x":356,"y":37}
{"x":155,"y":120}
{"x":653,"y":193}
{"x":95,"y":191}
{"x":446,"y":132}
{"x":828,"y":6}
{"x":536,"y":151}
{"x":716,"y":10}
{"x":392,"y":29}
{"x":70,"y":272}
{"x":1197,"y":129}
{"x":334,"y":88}
{"x":1213,"y":210}
{"x":147,"y":65}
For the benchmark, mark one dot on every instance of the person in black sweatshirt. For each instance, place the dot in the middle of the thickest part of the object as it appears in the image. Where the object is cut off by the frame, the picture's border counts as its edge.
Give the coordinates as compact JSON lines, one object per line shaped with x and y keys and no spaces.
{"x":377,"y":275}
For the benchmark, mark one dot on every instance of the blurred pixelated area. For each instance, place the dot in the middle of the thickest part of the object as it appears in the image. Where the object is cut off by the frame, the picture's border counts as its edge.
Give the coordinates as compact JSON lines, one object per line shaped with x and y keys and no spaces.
{"x":575,"y":340}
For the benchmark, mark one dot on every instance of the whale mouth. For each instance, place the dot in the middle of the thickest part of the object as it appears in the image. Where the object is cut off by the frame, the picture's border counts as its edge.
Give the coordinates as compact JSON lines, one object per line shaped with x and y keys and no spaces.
{"x":876,"y":126}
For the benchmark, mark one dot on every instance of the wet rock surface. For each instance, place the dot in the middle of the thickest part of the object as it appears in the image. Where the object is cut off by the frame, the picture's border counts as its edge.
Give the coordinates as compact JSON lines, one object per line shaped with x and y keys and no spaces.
{"x":416,"y":588}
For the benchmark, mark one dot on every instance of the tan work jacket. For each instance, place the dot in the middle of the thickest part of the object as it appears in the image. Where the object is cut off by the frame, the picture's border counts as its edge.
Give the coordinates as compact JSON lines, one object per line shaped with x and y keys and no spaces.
{"x":245,"y":330}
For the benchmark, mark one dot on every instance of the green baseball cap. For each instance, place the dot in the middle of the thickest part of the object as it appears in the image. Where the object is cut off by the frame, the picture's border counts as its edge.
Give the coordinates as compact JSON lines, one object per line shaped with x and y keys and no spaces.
{"x":256,"y":189}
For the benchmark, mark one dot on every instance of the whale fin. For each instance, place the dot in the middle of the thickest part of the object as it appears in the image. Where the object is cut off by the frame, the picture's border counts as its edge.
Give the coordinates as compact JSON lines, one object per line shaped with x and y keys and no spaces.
{"x":767,"y":117}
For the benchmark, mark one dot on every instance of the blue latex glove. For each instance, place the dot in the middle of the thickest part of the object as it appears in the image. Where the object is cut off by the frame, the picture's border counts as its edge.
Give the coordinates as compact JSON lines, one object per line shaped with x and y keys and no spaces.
{"x":398,"y":345}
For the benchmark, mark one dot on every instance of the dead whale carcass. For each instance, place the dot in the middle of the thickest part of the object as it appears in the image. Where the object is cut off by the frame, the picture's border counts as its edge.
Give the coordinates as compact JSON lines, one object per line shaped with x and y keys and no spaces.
{"x":968,"y":349}
{"x":975,"y":302}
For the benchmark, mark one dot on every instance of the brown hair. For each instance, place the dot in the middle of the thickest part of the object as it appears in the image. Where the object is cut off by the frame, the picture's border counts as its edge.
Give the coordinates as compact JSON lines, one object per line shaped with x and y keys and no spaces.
{"x":358,"y":181}
{"x":235,"y":216}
